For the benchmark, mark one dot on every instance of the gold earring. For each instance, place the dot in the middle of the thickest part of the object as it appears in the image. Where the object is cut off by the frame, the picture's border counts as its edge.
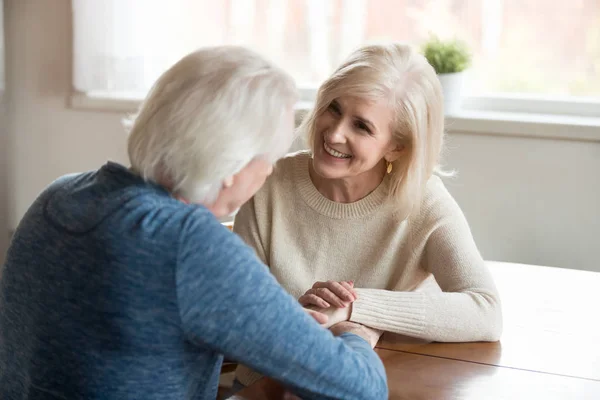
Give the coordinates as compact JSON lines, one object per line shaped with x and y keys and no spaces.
{"x":390,"y":166}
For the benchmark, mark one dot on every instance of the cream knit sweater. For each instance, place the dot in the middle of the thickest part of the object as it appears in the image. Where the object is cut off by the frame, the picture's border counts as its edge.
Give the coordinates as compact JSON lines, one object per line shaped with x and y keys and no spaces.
{"x":304,"y":237}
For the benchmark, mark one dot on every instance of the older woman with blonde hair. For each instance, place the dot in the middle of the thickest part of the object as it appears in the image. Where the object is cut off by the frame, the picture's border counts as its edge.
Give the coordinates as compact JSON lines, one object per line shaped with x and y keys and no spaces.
{"x":362,"y":227}
{"x":120,"y":283}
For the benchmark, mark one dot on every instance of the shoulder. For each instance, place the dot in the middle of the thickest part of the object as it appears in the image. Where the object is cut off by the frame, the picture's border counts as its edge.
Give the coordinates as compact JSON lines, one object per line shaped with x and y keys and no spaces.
{"x":64,"y":185}
{"x":285,"y":176}
{"x":289,"y":165}
{"x":68,"y":180}
{"x":202,"y":232}
{"x":437,"y":202}
{"x":435,"y":191}
{"x":210,"y":251}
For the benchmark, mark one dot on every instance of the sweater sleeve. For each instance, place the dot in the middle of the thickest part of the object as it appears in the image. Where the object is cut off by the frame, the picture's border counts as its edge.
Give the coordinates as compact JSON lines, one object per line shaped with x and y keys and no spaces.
{"x":231,"y":303}
{"x":467,"y":309}
{"x":246,"y":226}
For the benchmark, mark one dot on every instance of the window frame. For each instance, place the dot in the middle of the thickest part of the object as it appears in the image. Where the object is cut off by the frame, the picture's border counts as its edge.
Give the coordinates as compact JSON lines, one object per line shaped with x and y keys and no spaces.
{"x":512,"y":103}
{"x":517,"y":116}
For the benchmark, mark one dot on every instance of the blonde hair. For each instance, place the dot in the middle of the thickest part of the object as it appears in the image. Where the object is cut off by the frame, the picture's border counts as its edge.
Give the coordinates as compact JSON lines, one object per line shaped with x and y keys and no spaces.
{"x":208,"y":116}
{"x":399,"y":74}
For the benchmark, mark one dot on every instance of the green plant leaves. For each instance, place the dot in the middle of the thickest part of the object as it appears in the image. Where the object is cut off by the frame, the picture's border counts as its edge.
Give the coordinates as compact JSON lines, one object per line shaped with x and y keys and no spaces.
{"x":447,"y":56}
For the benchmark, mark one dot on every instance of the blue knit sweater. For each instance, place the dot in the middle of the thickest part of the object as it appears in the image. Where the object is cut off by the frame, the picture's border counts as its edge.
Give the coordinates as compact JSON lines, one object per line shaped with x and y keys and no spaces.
{"x":112,"y":289}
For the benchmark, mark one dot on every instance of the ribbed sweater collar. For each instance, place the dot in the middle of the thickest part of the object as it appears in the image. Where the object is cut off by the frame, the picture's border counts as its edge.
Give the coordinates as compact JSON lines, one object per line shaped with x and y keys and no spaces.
{"x":368,"y":204}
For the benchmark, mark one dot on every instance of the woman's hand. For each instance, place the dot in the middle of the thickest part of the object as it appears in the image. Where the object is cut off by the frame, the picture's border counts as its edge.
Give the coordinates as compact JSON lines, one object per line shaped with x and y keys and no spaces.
{"x":318,"y":316}
{"x":371,"y":335}
{"x":333,"y":315}
{"x":329,"y":294}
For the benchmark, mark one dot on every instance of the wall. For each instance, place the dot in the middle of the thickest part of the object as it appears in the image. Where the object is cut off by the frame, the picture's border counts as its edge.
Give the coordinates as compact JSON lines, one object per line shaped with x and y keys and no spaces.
{"x":3,"y":148}
{"x":527,"y":200}
{"x":48,"y":138}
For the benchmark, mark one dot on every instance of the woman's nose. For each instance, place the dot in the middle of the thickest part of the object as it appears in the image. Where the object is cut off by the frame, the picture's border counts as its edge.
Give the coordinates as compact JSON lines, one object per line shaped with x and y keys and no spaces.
{"x":336,"y":134}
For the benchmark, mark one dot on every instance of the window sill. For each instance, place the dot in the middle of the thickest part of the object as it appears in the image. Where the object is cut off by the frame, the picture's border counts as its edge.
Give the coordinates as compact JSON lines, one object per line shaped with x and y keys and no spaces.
{"x":476,"y":122}
{"x":543,"y":126}
{"x":119,"y":105}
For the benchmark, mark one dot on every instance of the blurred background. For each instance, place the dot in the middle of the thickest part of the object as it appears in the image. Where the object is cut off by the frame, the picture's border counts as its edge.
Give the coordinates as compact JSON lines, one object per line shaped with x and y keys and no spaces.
{"x":536,"y":47}
{"x":525,"y":144}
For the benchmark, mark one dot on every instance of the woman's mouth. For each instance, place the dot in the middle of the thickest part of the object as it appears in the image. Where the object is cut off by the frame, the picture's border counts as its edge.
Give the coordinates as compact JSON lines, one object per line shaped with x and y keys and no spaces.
{"x":335,"y":153}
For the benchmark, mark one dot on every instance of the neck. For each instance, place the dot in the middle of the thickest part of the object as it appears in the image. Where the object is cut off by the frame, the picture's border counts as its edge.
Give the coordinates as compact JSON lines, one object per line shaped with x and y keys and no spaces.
{"x":348,"y":190}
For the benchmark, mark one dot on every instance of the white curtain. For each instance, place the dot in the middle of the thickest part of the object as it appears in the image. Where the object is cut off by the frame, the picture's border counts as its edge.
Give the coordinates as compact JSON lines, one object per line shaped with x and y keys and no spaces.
{"x":120,"y":47}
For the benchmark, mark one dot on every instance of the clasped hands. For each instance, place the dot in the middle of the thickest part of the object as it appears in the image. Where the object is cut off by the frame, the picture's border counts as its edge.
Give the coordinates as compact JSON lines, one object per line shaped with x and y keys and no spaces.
{"x":330,"y":304}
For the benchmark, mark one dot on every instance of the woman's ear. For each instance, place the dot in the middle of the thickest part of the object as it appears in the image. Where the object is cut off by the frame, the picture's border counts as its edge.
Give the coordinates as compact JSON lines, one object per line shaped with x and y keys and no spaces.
{"x":395,"y":153}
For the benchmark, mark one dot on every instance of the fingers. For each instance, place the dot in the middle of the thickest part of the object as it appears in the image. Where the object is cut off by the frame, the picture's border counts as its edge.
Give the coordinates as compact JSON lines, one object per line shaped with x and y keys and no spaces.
{"x":327,"y":295}
{"x":313,"y":299}
{"x":341,"y":290}
{"x":349,"y":286}
{"x":371,"y":335}
{"x":319,"y":317}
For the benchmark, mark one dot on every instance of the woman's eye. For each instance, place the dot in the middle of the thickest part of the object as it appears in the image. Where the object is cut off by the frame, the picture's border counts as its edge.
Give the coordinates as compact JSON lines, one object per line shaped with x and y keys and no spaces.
{"x":363,"y":127}
{"x":334,"y":109}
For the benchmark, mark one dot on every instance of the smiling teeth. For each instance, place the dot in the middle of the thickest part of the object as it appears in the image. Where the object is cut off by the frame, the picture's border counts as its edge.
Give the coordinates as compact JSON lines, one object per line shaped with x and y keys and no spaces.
{"x":334,"y":153}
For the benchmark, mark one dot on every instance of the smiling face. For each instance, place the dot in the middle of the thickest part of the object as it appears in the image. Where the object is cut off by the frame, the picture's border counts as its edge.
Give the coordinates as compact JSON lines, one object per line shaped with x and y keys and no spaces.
{"x":353,"y":140}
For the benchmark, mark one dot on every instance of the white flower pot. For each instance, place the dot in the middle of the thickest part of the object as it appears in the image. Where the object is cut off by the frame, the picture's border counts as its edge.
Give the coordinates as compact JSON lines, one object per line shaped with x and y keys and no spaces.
{"x":452,"y":87}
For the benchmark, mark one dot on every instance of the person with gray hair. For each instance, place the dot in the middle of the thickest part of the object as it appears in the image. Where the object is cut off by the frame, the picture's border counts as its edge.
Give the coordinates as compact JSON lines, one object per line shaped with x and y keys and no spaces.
{"x":121,"y":283}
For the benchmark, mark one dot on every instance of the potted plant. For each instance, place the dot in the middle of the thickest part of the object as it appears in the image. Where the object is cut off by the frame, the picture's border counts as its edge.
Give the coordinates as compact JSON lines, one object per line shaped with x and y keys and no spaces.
{"x":450,"y":59}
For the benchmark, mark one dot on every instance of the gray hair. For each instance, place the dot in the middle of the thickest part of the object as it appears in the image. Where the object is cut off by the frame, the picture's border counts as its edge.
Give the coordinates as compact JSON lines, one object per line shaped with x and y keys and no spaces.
{"x":208,"y":116}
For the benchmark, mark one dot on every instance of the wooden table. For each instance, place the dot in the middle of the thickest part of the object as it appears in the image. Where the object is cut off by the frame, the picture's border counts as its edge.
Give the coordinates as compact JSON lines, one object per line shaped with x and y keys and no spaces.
{"x":550,"y":347}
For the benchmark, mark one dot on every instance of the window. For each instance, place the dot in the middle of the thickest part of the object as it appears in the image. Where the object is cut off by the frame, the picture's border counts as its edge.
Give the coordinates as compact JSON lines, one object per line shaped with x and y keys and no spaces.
{"x":528,"y":49}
